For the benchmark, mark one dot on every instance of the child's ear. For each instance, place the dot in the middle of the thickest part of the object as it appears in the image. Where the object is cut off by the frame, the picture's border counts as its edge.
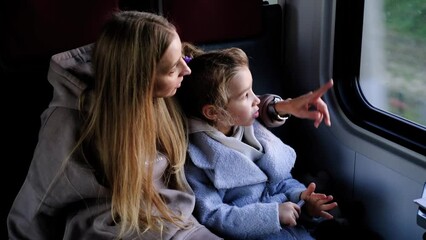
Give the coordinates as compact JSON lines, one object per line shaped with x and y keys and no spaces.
{"x":209,"y":111}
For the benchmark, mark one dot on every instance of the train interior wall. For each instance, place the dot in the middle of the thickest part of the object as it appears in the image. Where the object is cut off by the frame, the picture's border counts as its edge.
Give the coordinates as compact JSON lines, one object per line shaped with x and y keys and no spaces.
{"x":375,"y":180}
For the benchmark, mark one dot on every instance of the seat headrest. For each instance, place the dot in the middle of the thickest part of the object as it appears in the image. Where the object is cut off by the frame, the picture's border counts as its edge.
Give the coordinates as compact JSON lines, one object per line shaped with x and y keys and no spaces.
{"x":40,"y":28}
{"x":206,"y":21}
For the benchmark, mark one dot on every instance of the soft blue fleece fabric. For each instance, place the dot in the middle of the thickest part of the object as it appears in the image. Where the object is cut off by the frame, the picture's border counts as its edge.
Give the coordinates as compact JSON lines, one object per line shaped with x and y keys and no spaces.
{"x":237,"y":196}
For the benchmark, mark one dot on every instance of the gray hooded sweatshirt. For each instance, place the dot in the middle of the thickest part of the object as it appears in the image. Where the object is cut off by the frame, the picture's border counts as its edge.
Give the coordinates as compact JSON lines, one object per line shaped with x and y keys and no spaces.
{"x":78,"y":203}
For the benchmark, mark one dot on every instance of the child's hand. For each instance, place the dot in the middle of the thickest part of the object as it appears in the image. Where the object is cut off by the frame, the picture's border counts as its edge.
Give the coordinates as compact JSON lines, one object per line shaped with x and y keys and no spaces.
{"x":317,"y":204}
{"x":288,"y":213}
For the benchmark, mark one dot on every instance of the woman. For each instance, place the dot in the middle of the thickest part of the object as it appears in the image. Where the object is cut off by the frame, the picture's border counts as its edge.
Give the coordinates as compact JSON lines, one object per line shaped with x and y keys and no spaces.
{"x":123,"y":175}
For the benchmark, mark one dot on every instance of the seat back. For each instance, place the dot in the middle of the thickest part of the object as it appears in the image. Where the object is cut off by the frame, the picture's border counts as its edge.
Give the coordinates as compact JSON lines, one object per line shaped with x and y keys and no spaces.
{"x":204,"y":21}
{"x":251,"y":25}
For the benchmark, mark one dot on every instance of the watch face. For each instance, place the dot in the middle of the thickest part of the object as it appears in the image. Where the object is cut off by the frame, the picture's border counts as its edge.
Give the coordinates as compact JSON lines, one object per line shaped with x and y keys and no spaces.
{"x":276,"y":100}
{"x":273,"y":112}
{"x":280,"y":117}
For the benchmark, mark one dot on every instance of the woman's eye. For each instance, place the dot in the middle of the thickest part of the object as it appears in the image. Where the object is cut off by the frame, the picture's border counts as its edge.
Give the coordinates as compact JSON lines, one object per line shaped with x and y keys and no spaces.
{"x":172,"y":71}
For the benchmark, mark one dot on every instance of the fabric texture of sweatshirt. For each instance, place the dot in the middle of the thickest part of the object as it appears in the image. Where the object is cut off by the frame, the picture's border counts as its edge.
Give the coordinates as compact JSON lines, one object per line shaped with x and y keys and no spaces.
{"x":78,"y":204}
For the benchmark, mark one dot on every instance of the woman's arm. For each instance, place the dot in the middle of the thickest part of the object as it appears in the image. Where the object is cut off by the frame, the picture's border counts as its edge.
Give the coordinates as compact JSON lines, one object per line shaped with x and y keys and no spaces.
{"x":267,"y":113}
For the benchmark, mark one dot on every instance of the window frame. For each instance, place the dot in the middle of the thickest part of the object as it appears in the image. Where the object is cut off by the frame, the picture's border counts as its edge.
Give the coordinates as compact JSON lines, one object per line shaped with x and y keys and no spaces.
{"x":346,"y":72}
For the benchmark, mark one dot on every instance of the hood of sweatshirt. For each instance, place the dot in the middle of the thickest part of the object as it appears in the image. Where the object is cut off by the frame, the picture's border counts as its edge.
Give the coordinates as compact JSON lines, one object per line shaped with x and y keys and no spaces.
{"x":70,"y":73}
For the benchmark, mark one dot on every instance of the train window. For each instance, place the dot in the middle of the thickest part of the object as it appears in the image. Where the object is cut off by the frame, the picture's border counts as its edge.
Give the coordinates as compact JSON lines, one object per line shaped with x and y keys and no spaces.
{"x":380,"y":66}
{"x":393,"y":57}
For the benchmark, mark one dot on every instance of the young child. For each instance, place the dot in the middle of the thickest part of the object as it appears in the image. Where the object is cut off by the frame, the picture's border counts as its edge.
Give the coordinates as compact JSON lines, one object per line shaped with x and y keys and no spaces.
{"x":238,"y":169}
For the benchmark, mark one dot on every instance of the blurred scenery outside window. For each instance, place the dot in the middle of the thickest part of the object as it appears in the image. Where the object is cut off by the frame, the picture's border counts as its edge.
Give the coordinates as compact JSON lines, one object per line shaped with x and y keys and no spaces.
{"x":393,"y":57}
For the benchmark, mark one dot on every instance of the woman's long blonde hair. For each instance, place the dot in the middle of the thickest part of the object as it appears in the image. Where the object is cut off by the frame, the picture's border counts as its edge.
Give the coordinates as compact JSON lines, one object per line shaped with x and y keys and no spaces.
{"x":127,"y":126}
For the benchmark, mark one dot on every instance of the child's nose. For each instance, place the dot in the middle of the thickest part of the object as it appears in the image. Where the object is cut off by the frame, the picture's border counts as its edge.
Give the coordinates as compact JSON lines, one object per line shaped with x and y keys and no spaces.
{"x":256,"y":100}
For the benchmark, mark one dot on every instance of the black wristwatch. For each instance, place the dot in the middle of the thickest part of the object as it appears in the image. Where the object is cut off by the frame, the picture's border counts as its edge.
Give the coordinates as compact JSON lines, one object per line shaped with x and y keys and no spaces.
{"x":274,"y":113}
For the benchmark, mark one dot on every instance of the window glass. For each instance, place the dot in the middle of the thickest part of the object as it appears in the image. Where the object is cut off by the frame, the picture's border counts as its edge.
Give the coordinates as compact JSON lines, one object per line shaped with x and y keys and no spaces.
{"x":393,"y":58}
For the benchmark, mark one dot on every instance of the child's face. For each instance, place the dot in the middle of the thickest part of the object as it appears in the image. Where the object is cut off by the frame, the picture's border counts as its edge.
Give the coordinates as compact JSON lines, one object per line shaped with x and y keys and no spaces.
{"x":242,"y":103}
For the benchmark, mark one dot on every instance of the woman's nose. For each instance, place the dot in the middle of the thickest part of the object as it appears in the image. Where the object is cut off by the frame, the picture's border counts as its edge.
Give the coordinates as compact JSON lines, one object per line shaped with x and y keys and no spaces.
{"x":186,"y":70}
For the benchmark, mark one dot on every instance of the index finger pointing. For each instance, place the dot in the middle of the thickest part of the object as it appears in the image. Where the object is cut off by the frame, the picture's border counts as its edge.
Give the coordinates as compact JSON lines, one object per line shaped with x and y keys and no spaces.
{"x":323,"y":89}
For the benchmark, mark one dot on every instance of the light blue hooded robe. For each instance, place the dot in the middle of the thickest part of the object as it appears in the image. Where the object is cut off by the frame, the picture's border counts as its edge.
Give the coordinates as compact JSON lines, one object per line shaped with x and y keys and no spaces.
{"x":239,"y":181}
